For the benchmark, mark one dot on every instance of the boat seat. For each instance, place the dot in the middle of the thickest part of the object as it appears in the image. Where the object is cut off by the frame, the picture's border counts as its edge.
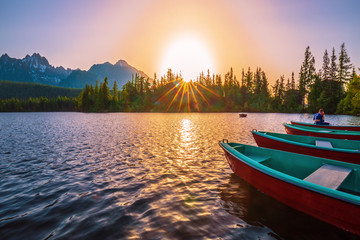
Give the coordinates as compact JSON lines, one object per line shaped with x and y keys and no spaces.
{"x":329,"y":176}
{"x":320,"y":143}
{"x":259,"y":158}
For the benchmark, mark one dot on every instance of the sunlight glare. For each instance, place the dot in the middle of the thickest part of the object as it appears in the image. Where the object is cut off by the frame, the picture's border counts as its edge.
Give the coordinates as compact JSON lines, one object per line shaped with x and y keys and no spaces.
{"x":187,"y":56}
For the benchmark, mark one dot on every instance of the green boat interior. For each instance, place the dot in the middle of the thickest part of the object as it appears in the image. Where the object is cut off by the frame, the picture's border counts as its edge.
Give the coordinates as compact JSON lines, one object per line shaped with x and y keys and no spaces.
{"x":336,"y":175}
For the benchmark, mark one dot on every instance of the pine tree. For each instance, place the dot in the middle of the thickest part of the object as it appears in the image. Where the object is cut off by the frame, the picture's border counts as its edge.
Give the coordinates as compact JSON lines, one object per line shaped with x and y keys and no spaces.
{"x":99,"y":106}
{"x":325,"y":73}
{"x":218,"y":80}
{"x":333,"y":66}
{"x":84,"y":103}
{"x":345,"y":66}
{"x":92,"y":96}
{"x":106,"y":94}
{"x":115,"y":93}
{"x":291,"y":96}
{"x":264,"y":90}
{"x":147,"y":85}
{"x":243,"y":82}
{"x":281,"y":88}
{"x":208,"y":79}
{"x":275,"y":89}
{"x":288,"y":85}
{"x":292,"y":81}
{"x":249,"y":80}
{"x":307,"y":72}
{"x":257,"y":81}
{"x":142,"y":83}
{"x":236,"y":82}
{"x":231,"y":77}
{"x":169,"y":76}
{"x":263,"y":99}
{"x":97,"y":87}
{"x":202,"y":78}
{"x":350,"y":104}
{"x":314,"y":94}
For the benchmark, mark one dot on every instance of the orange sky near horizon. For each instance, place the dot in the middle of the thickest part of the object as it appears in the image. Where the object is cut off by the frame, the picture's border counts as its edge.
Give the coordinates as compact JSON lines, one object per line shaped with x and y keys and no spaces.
{"x":230,"y":40}
{"x":272,"y":35}
{"x":212,"y":25}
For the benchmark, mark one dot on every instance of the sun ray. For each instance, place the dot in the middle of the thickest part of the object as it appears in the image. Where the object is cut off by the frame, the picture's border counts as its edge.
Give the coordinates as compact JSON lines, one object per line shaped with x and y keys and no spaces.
{"x":166,"y":93}
{"x":174,"y":97}
{"x":202,"y":95}
{"x":188,"y":91}
{"x":188,"y":96}
{"x":182,"y":95}
{"x":192,"y":92}
{"x":209,"y":90}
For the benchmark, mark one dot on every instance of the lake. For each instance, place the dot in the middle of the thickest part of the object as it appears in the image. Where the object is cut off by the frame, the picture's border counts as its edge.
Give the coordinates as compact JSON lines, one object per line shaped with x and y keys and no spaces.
{"x":140,"y":176}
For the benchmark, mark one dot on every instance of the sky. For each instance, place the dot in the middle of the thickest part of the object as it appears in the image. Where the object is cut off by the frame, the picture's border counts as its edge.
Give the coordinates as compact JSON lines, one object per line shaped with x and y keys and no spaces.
{"x":188,"y":36}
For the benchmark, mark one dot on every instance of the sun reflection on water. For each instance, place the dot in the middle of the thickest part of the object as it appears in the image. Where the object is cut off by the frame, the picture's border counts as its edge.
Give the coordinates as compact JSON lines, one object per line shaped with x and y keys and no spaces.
{"x":187,"y":138}
{"x":186,"y":133}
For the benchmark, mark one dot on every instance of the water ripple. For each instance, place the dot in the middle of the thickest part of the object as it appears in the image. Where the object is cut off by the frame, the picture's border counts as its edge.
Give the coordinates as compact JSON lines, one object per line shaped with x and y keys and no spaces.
{"x":138,"y":176}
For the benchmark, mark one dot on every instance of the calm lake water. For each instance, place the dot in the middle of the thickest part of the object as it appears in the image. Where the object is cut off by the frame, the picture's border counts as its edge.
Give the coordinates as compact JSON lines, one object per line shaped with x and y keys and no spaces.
{"x":139,"y":176}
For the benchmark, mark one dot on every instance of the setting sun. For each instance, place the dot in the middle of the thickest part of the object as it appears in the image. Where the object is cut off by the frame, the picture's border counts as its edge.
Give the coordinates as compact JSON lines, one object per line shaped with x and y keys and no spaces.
{"x":188,"y":56}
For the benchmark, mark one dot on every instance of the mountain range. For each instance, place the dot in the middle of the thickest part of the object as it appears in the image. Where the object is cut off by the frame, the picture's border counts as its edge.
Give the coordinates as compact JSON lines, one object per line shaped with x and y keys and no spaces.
{"x":36,"y":69}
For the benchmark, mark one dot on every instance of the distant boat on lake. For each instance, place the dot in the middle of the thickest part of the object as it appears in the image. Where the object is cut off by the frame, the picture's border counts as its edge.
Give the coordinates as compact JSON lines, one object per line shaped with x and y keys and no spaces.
{"x":242,"y":115}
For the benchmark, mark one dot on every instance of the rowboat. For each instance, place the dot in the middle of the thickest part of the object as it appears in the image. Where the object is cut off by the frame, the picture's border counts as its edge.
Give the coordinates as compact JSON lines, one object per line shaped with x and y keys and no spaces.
{"x":336,"y":149}
{"x":325,"y":189}
{"x":321,"y":132}
{"x":338,"y":127}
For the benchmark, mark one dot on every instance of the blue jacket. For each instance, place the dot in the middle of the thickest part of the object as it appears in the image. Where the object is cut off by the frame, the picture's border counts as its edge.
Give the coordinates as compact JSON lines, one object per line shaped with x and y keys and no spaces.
{"x":318,"y":117}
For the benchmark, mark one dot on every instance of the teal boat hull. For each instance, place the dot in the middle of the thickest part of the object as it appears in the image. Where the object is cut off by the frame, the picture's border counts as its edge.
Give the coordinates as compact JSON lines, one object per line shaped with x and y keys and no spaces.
{"x":336,"y":149}
{"x":321,"y":132}
{"x":337,"y":127}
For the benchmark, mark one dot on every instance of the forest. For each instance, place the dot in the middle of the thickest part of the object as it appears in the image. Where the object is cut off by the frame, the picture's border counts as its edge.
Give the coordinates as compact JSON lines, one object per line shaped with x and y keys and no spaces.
{"x":334,"y":87}
{"x":26,"y":90}
{"x":34,"y":97}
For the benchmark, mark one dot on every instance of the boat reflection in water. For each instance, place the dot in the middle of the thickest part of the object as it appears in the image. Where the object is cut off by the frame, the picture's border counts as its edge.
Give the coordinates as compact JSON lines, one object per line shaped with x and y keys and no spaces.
{"x":257,"y":209}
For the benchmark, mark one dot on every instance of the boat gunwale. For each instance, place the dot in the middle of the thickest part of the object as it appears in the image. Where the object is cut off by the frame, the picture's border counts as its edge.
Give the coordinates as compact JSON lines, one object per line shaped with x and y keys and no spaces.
{"x":261,"y":133}
{"x":319,"y":130}
{"x":337,"y":127}
{"x":336,"y":194}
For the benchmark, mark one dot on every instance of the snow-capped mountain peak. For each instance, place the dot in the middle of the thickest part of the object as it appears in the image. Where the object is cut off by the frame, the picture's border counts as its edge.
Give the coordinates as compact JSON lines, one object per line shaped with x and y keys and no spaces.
{"x":34,"y":68}
{"x":36,"y":61}
{"x":122,"y":63}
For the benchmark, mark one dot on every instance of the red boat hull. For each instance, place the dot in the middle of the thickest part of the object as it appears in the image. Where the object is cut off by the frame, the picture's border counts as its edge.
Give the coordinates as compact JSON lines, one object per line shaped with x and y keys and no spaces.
{"x":334,"y":211}
{"x":290,"y":130}
{"x":349,"y":128}
{"x":262,"y":141}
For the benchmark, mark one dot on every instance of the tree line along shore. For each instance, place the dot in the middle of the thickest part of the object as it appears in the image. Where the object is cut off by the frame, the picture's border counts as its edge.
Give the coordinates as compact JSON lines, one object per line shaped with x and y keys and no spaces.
{"x":335,"y":87}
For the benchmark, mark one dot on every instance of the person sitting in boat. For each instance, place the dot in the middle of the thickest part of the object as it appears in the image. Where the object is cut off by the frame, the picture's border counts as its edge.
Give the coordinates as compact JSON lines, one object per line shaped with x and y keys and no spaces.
{"x":319,"y":118}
